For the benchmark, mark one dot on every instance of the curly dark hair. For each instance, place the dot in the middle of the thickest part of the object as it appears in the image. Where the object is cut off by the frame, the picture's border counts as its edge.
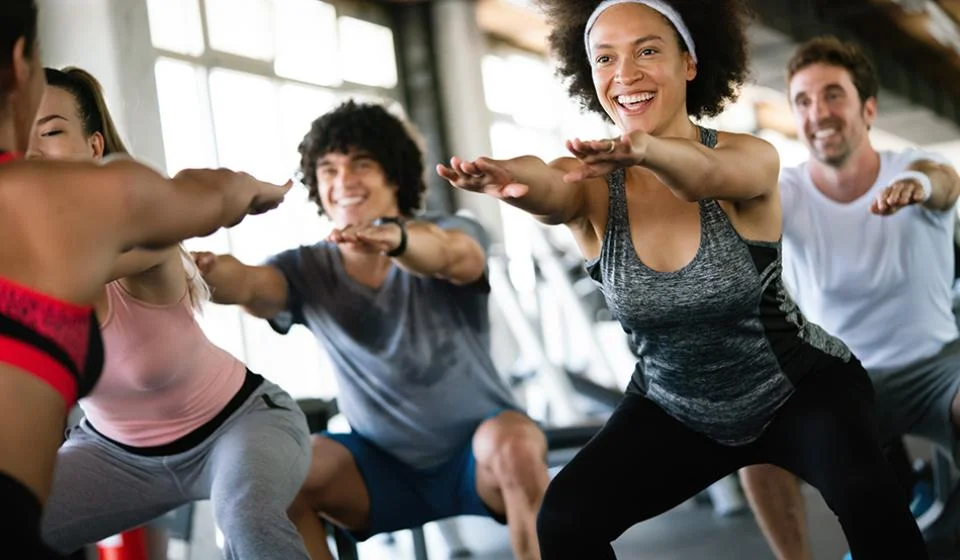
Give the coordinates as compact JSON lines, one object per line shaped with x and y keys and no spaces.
{"x":393,"y":143}
{"x":718,"y":30}
{"x":845,"y":54}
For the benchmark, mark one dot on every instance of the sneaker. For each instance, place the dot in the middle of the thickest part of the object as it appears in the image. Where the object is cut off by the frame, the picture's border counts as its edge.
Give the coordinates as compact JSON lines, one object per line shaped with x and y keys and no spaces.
{"x":922,"y":498}
{"x":942,"y":534}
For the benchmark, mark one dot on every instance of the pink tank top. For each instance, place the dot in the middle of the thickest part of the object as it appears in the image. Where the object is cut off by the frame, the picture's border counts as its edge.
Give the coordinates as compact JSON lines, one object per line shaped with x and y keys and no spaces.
{"x":162,"y":378}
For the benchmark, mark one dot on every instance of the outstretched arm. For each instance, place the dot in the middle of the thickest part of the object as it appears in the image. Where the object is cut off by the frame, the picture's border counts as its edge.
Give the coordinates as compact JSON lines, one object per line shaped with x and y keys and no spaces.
{"x":526,"y":182}
{"x":195,"y":203}
{"x":261,"y":290}
{"x":125,"y":204}
{"x":944,"y":189}
{"x":741,"y":167}
{"x":429,"y":250}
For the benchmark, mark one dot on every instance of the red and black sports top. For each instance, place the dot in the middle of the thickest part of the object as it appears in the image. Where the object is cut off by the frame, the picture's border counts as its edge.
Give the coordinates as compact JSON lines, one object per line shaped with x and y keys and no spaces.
{"x":57,"y":341}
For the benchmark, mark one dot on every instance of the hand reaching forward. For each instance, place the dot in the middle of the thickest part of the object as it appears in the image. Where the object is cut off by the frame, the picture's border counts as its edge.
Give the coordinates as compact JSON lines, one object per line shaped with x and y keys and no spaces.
{"x":204,"y":260}
{"x":899,"y":194}
{"x":483,"y":175}
{"x":600,"y":157}
{"x":368,"y":238}
{"x":268,"y":196}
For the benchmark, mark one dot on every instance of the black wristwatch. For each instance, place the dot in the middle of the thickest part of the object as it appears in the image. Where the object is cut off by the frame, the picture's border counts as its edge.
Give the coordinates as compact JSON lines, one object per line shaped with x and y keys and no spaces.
{"x":402,"y":247}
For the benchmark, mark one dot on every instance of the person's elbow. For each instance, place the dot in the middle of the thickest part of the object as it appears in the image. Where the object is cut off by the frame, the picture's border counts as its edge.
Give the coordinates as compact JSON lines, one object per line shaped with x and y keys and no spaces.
{"x":265,"y":293}
{"x":468,"y":262}
{"x":756,"y":173}
{"x":953,"y":186}
{"x":765,"y":169}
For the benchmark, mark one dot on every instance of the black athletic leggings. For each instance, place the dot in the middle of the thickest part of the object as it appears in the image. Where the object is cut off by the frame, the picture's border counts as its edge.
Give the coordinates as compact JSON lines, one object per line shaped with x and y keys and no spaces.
{"x":20,"y":512}
{"x":644,"y":462}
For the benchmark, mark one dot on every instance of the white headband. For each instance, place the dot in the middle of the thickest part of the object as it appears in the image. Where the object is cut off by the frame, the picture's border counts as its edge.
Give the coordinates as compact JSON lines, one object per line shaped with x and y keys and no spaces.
{"x":666,"y":10}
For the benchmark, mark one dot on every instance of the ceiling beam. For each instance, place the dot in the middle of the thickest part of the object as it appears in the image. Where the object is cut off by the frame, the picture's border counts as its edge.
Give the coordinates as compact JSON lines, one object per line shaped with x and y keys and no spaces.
{"x":920,"y":70}
{"x":513,"y":24}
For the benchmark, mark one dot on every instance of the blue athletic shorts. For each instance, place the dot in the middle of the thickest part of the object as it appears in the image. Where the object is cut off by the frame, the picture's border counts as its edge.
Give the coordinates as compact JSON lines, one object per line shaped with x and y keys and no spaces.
{"x":402,"y":497}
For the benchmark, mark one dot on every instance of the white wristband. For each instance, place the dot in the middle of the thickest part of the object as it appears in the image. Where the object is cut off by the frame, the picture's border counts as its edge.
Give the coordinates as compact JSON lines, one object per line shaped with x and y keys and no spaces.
{"x":921,"y":178}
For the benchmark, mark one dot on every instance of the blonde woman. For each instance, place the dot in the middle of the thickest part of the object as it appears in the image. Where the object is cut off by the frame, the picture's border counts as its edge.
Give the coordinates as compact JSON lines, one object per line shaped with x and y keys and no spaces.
{"x":175,"y":418}
{"x":64,"y":225}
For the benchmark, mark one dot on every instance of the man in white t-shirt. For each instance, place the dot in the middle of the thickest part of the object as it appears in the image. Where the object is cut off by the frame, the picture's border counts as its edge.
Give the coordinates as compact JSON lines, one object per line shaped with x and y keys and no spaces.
{"x":868,"y":255}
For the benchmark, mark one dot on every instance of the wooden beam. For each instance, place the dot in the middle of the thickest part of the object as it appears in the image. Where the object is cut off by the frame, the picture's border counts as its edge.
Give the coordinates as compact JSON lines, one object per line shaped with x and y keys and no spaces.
{"x":514,"y":24}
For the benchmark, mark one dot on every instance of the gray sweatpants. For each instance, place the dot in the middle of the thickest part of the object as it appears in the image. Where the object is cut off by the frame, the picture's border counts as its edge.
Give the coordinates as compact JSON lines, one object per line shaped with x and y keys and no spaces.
{"x":250,"y":468}
{"x":918,"y":399}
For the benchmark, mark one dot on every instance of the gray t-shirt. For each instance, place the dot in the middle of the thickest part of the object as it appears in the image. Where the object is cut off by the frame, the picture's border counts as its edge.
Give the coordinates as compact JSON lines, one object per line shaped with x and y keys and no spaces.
{"x":412,"y":358}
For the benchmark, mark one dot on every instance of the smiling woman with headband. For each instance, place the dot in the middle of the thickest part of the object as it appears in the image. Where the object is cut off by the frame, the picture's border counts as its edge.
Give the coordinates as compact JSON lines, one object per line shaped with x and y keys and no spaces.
{"x":680,"y":226}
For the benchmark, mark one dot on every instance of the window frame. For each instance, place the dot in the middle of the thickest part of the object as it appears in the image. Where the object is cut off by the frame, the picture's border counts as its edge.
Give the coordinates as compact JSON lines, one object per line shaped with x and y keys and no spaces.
{"x":211,"y":59}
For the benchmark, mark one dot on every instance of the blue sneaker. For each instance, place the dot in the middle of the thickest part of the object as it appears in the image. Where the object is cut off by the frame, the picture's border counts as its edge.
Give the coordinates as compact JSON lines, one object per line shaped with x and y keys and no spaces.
{"x":922,"y":498}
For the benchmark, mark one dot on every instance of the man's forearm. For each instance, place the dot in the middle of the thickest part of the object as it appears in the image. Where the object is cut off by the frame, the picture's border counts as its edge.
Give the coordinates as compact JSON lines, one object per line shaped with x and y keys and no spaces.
{"x":431,"y":251}
{"x":227,"y":282}
{"x":944,"y":184}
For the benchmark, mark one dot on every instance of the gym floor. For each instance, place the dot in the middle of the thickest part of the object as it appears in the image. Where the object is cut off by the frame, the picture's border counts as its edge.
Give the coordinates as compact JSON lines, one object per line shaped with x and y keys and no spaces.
{"x":689,"y":532}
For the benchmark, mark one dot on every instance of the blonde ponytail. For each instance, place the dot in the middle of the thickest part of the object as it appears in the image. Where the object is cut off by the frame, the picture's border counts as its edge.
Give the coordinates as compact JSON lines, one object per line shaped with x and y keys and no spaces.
{"x":93,"y":111}
{"x":197,"y":288}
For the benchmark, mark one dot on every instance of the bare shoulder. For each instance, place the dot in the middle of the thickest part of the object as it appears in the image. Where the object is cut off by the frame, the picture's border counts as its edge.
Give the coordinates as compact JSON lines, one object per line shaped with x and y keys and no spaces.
{"x":72,"y":182}
{"x":726,"y":139}
{"x":80,"y":200}
{"x":61,"y":225}
{"x":751,"y":147}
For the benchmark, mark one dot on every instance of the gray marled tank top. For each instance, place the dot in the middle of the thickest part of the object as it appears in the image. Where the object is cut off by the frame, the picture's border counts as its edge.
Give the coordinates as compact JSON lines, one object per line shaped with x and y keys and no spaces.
{"x":721,"y":343}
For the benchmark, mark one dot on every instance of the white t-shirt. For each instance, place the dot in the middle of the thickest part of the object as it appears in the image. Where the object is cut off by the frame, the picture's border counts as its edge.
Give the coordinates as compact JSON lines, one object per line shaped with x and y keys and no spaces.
{"x":882,"y":284}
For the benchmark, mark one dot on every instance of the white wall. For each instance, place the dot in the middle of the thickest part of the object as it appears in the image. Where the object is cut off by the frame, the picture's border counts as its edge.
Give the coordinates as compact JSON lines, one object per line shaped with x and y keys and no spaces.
{"x":111,"y":40}
{"x":460,"y":46}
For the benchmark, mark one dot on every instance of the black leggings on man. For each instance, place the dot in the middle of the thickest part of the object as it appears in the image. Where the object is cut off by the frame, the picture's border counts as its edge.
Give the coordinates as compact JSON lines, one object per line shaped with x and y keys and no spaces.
{"x":644,"y":462}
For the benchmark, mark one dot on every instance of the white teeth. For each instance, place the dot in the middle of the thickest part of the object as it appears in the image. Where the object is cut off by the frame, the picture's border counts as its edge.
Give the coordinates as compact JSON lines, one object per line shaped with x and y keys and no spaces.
{"x":635,"y":98}
{"x":349,"y":201}
{"x":820,"y":134}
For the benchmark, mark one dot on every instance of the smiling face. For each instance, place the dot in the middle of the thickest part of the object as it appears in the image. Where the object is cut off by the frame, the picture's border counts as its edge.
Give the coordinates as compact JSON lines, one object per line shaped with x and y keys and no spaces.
{"x":354,"y":189}
{"x":830,"y":118}
{"x":640,"y":72}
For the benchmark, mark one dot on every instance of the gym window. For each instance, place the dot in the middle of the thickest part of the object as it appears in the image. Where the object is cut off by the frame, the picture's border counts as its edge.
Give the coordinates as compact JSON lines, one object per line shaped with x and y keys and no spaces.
{"x":292,"y":60}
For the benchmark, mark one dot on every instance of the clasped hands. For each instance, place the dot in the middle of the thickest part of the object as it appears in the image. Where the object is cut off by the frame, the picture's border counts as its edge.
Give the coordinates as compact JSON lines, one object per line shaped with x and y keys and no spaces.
{"x":597,"y":158}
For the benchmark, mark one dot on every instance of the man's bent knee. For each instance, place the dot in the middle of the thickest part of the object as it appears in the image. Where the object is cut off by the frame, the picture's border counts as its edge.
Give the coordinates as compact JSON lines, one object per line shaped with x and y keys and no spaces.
{"x":508,"y":435}
{"x":329,"y":461}
{"x":301,"y":506}
{"x":517,"y":457}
